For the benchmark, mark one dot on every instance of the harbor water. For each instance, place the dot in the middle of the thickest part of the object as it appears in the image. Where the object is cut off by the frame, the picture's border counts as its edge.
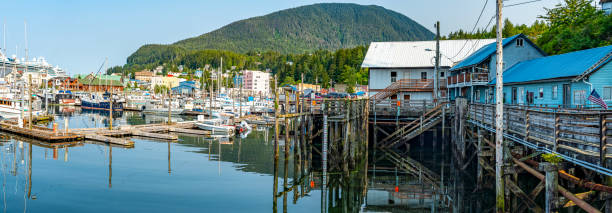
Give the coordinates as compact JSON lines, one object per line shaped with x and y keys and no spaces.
{"x":215,"y":175}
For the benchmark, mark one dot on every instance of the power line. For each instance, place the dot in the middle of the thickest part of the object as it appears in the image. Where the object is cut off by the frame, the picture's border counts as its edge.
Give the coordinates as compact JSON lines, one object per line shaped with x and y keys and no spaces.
{"x":478,"y":40}
{"x":474,"y":28}
{"x":517,"y":4}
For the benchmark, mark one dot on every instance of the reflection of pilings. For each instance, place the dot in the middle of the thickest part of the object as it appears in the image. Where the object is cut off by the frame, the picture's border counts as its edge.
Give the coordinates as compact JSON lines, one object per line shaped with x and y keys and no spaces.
{"x":324,"y":161}
{"x":169,"y":165}
{"x":275,"y":189}
{"x":30,"y":171}
{"x":285,"y":173}
{"x":110,"y":166}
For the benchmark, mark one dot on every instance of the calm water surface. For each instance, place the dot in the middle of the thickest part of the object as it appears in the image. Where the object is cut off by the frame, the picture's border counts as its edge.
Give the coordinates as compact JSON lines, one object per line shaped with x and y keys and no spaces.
{"x":198,"y":174}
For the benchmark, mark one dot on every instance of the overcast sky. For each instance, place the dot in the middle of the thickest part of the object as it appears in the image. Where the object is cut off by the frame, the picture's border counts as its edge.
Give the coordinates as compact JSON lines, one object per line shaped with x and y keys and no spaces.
{"x":78,"y":35}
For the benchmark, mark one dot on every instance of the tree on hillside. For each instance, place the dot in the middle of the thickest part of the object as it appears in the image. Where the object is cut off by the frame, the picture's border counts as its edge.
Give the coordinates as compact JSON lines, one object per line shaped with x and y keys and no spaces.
{"x":575,"y":25}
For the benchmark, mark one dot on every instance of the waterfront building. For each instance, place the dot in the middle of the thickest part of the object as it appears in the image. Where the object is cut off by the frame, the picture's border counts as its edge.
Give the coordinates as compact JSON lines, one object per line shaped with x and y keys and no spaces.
{"x":144,"y":75}
{"x":408,"y":67}
{"x":473,"y":73}
{"x":313,"y":87}
{"x":101,"y":83}
{"x":256,"y":82}
{"x":564,"y":80}
{"x":187,"y":88}
{"x":167,"y":81}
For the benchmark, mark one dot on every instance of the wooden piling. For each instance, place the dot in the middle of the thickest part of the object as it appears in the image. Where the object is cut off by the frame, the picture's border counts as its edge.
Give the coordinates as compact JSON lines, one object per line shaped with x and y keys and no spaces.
{"x":30,"y":98}
{"x":551,"y":186}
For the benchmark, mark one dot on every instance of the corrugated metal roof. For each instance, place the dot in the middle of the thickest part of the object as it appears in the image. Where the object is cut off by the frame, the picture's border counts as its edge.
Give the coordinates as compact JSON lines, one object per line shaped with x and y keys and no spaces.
{"x":559,"y":66}
{"x":483,"y":53}
{"x":407,"y":54}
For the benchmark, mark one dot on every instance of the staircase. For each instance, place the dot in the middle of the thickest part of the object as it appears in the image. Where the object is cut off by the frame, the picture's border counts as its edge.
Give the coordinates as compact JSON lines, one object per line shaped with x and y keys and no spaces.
{"x":412,"y":166}
{"x":399,"y":85}
{"x":428,"y":120}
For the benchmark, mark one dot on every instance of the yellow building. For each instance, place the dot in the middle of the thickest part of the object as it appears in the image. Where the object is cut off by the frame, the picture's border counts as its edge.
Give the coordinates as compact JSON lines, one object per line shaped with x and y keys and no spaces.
{"x":302,"y":86}
{"x":169,"y":82}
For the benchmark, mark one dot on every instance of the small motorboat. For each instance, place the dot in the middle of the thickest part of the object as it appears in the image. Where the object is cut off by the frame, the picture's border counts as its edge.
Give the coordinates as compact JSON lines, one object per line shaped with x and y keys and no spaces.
{"x":215,"y":125}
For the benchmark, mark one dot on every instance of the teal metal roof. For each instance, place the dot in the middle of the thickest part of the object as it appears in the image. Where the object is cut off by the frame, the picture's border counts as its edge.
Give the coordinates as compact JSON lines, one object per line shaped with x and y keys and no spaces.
{"x":553,"y":67}
{"x":484,"y":53}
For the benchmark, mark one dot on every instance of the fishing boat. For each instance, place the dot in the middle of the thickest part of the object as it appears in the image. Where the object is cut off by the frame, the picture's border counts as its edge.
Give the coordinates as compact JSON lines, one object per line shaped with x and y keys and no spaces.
{"x":156,"y":107}
{"x":136,"y":102}
{"x":13,"y":108}
{"x":215,"y":125}
{"x":101,"y":102}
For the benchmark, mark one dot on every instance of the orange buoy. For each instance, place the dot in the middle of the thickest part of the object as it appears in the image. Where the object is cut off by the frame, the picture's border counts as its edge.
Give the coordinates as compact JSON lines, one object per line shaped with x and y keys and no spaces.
{"x":396,"y":189}
{"x":312,"y":184}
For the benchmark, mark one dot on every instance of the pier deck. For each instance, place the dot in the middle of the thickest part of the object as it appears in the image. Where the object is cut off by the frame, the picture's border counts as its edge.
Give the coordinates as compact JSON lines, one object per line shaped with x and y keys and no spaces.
{"x":115,"y":136}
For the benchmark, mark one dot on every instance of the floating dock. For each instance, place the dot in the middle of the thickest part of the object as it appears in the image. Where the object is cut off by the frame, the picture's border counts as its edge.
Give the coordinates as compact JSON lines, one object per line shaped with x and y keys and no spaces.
{"x":117,"y":136}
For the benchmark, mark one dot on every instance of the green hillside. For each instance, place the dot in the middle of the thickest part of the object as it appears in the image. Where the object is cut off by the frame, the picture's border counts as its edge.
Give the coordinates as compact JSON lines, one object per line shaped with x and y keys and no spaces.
{"x":327,"y":26}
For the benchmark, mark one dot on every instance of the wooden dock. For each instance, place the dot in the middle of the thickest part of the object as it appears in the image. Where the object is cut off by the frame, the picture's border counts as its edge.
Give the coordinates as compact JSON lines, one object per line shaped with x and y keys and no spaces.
{"x":117,"y":136}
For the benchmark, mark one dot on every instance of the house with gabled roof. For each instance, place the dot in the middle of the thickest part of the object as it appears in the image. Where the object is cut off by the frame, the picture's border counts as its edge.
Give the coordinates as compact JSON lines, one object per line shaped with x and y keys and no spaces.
{"x":404,"y":70}
{"x":468,"y":77}
{"x":564,"y":80}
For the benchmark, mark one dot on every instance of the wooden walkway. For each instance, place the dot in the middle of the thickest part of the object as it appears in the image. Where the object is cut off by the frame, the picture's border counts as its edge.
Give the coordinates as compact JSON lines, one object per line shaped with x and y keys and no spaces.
{"x":117,"y":136}
{"x":575,"y":134}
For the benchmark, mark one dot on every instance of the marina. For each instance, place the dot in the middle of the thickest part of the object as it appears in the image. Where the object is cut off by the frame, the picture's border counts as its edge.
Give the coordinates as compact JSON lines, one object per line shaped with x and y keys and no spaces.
{"x":327,"y":107}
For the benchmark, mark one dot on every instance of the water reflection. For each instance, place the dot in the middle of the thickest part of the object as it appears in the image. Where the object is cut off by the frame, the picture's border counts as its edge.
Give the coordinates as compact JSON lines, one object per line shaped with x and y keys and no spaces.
{"x":229,"y":175}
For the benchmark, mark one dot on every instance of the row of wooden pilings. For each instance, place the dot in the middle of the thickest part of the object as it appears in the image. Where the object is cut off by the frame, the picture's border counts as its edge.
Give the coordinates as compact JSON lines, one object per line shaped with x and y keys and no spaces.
{"x":334,"y":125}
{"x":516,"y":158}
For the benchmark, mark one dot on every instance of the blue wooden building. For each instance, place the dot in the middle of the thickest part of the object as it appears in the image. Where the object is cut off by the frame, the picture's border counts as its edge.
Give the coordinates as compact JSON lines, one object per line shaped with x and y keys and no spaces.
{"x":469,"y":78}
{"x":187,"y":88}
{"x":564,"y":80}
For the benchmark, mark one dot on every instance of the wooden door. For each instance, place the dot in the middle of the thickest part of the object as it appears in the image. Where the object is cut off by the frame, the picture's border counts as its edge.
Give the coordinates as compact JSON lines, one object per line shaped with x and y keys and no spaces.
{"x":514,"y":95}
{"x":567,"y":96}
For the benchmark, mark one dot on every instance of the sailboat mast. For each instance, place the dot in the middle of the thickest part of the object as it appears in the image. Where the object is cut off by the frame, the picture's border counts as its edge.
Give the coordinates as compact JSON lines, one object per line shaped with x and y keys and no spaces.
{"x":4,"y":49}
{"x":25,"y":29}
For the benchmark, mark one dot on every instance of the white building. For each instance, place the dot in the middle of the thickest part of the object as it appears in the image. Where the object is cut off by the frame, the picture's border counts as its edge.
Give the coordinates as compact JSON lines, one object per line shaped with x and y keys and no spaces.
{"x":257,"y":82}
{"x":409,"y":66}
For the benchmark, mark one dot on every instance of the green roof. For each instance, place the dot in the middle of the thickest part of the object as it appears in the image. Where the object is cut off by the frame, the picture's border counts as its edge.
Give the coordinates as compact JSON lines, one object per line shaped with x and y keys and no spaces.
{"x":103,"y":77}
{"x":97,"y":82}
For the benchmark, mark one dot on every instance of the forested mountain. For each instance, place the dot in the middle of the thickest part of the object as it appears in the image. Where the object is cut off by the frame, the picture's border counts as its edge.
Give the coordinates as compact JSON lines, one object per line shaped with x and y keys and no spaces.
{"x":328,"y":26}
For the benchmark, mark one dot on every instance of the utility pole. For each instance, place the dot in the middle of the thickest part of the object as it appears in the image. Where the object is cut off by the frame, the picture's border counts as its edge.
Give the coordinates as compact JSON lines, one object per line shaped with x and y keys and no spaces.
{"x":499,"y":117}
{"x":437,"y":66}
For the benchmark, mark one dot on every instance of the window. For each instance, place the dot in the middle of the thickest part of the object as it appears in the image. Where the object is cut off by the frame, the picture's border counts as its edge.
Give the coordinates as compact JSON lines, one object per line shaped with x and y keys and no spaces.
{"x":607,"y":93}
{"x":579,"y":97}
{"x":393,"y":77}
{"x":541,"y":95}
{"x":519,"y":42}
{"x":441,"y":74}
{"x":477,"y":95}
{"x":423,"y":75}
{"x":554,"y":92}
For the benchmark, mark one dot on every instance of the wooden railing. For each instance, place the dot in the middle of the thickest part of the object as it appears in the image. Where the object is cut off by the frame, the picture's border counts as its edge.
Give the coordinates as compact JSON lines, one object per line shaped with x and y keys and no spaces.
{"x":579,"y":134}
{"x":468,"y":78}
{"x":407,"y":84}
{"x":401,"y":108}
{"x":416,"y":124}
